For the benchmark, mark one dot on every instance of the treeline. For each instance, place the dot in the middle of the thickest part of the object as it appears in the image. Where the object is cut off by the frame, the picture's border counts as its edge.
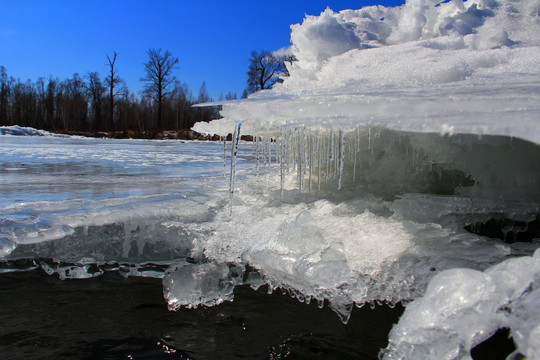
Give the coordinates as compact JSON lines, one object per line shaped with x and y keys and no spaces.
{"x":91,"y":103}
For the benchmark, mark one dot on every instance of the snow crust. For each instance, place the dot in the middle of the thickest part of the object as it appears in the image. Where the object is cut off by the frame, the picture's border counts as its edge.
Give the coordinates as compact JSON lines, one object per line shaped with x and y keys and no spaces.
{"x":428,"y":66}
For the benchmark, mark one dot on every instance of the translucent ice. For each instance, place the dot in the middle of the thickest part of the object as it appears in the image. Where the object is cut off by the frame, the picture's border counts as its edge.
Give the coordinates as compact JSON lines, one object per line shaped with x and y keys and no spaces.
{"x":400,"y":128}
{"x":463,"y":307}
{"x":192,"y":285}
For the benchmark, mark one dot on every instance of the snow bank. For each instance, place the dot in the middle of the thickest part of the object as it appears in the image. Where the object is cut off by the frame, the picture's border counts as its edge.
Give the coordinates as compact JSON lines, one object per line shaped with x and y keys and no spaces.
{"x":17,"y":130}
{"x":427,"y":66}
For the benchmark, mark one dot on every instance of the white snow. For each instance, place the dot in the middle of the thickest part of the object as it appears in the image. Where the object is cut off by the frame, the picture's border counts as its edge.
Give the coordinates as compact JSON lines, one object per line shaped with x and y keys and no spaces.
{"x":428,"y":66}
{"x":359,"y":198}
{"x":17,"y":130}
{"x":384,"y":109}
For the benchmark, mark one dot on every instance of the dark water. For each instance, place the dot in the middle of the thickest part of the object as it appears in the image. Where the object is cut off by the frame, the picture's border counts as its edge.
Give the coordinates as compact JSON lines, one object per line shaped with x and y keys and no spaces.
{"x":111,"y":317}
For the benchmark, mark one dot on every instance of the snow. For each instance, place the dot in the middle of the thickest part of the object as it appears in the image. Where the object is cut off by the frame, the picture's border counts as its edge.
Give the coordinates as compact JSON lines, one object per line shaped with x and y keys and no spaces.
{"x":25,"y":131}
{"x":397,"y":130}
{"x":428,"y":66}
{"x":399,"y":127}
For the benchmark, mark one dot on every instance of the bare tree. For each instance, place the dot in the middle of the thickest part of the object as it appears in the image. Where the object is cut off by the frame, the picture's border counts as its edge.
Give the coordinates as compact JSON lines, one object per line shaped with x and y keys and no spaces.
{"x":114,"y":83}
{"x":94,"y":91}
{"x":265,"y":69}
{"x":159,"y":78}
{"x":4,"y":96}
{"x":206,"y":113}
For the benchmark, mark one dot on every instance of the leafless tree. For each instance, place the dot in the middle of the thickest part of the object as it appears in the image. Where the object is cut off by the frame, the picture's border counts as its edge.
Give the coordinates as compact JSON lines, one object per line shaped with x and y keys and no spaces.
{"x":114,"y":83}
{"x":159,"y":78}
{"x":94,"y":90}
{"x":4,"y":96}
{"x":265,"y":69}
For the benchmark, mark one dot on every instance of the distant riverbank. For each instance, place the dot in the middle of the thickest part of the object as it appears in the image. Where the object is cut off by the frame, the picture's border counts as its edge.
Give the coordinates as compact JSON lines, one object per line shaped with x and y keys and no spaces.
{"x":183,"y":134}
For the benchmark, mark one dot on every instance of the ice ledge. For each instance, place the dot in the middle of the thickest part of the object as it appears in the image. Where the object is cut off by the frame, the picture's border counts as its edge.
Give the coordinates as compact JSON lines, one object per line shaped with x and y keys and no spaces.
{"x":507,"y":106}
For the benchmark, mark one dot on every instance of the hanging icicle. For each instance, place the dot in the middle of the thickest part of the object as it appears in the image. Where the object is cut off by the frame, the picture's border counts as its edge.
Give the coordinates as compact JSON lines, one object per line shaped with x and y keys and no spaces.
{"x":281,"y":158}
{"x":341,"y":158}
{"x":223,"y":139}
{"x":319,"y":155}
{"x":234,"y":150}
{"x":257,"y":156}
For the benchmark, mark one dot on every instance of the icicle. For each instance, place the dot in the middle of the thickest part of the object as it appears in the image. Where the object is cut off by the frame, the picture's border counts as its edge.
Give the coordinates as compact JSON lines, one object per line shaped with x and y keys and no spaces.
{"x":284,"y":150}
{"x":341,"y":158}
{"x":332,"y":150}
{"x":319,"y":154}
{"x":281,"y":158}
{"x":257,"y":156}
{"x":234,"y":150}
{"x":276,"y":152}
{"x":224,"y":138}
{"x":300,"y":140}
{"x":268,"y":157}
{"x":264,"y":152}
{"x":328,"y":154}
{"x":337,"y":155}
{"x":372,"y":142}
{"x":355,"y":152}
{"x":310,"y":160}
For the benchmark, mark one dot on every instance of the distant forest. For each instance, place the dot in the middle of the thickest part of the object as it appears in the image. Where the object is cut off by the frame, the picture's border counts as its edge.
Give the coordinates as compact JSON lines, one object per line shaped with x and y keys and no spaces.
{"x":95,"y":104}
{"x":91,"y":103}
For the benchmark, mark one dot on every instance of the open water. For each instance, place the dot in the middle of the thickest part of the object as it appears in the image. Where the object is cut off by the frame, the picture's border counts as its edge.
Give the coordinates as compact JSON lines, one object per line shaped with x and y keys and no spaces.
{"x":111,"y":317}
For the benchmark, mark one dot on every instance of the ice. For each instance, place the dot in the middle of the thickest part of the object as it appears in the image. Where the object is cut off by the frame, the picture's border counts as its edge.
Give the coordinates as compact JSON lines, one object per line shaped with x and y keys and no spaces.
{"x":345,"y":253}
{"x":397,"y":162}
{"x":525,"y":324}
{"x":192,"y":285}
{"x":124,"y":204}
{"x":7,"y":245}
{"x":407,"y":135}
{"x":429,"y":66}
{"x":463,"y":307}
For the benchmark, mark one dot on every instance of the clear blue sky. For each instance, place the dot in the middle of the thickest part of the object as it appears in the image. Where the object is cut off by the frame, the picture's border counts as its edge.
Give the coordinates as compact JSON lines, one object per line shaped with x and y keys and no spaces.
{"x":213,"y":39}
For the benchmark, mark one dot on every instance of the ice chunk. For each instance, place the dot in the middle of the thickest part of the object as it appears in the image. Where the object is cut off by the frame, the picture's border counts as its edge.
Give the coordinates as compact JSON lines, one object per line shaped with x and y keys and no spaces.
{"x":524,"y":321}
{"x":302,"y":235}
{"x":463,"y":307}
{"x":7,"y":245}
{"x":192,"y":285}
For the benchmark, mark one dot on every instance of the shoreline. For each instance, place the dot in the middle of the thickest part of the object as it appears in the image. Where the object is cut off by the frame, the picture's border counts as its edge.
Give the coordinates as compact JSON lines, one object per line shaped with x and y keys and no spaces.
{"x":182,"y":134}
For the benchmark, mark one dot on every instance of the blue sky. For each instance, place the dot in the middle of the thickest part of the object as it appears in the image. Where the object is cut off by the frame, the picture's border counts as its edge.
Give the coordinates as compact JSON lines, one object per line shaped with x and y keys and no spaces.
{"x":213,"y":39}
